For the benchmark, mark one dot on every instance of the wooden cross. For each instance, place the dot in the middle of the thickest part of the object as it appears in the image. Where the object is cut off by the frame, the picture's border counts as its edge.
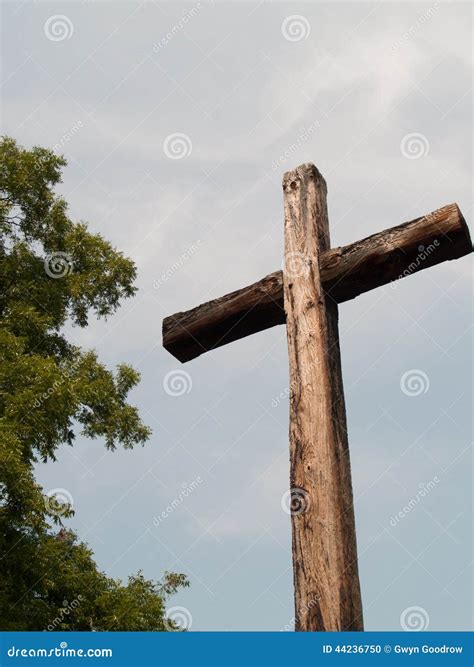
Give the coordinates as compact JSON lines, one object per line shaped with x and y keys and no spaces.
{"x":305,"y":295}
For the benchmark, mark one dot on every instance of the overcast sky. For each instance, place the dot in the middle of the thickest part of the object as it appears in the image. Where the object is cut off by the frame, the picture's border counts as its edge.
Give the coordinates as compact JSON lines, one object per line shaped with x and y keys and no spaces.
{"x":378,"y":96}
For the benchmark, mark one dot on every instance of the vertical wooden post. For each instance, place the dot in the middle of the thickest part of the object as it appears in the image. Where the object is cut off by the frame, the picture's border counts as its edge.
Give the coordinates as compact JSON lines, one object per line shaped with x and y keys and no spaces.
{"x":325,"y":571}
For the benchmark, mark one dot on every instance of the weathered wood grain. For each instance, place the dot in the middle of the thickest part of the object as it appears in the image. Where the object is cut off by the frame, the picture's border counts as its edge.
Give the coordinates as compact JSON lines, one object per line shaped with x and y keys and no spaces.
{"x":325,"y":572}
{"x":346,"y":272}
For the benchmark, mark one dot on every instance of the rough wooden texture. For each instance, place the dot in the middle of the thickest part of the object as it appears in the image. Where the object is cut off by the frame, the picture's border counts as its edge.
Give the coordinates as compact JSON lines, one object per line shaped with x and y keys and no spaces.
{"x":326,"y":581}
{"x":221,"y":321}
{"x":346,"y":272}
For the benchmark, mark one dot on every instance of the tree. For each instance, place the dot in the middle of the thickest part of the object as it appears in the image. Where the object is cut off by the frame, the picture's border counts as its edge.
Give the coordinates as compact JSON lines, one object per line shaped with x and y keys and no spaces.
{"x":54,"y":271}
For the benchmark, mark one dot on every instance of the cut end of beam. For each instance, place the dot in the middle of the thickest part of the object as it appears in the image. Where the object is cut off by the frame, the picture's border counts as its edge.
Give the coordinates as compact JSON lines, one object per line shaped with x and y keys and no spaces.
{"x":469,"y":247}
{"x":302,"y":173}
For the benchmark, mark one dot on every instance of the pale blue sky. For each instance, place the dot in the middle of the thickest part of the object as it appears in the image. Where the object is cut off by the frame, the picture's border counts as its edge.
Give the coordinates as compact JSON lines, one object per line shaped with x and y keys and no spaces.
{"x":345,"y":96}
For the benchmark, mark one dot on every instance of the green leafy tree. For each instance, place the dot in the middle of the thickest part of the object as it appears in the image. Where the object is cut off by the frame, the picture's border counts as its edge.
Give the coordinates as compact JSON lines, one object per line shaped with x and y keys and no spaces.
{"x":54,"y":271}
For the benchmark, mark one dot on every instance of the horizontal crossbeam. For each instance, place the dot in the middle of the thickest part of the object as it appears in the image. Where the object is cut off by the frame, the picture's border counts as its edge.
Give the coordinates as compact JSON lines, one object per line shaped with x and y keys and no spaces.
{"x":346,"y":272}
